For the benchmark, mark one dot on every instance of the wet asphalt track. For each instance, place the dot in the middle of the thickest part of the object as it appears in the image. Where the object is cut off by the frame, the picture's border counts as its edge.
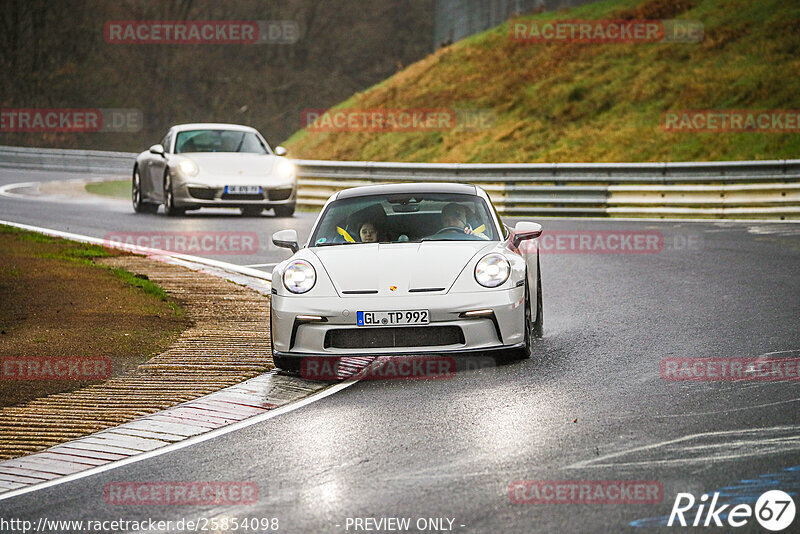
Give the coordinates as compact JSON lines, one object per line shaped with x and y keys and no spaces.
{"x":590,"y":406}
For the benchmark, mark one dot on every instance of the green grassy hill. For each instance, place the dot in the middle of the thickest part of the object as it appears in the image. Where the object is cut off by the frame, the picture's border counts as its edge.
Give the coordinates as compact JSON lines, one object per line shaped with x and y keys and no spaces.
{"x":573,"y":102}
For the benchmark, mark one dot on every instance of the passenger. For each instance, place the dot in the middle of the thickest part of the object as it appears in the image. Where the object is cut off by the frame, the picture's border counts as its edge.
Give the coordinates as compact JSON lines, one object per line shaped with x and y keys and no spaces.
{"x":368,"y":232}
{"x":455,"y":216}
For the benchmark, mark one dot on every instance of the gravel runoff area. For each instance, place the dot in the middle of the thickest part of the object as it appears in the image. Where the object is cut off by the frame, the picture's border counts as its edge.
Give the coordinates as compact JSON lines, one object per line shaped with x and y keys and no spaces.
{"x":227,"y":344}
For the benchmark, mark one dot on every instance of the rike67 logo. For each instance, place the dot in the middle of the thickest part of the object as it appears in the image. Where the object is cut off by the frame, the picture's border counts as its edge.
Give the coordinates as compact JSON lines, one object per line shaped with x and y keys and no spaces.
{"x":774,"y":510}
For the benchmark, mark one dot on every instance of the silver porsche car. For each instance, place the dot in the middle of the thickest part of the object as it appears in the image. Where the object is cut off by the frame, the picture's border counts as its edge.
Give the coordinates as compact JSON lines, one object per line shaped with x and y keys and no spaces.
{"x":399,"y":269}
{"x":214,"y":165}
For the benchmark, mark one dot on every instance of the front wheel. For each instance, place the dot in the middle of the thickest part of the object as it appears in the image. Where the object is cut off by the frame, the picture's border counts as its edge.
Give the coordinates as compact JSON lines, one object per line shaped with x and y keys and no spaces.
{"x":289,"y":366}
{"x":538,"y":325}
{"x":286,"y":210}
{"x":251,"y":211}
{"x":525,"y":351}
{"x":139,"y":206}
{"x":169,"y":199}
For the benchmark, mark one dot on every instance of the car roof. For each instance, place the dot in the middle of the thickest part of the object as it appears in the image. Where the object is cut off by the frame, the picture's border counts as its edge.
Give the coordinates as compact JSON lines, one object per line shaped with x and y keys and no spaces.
{"x":416,"y":187}
{"x":212,"y":126}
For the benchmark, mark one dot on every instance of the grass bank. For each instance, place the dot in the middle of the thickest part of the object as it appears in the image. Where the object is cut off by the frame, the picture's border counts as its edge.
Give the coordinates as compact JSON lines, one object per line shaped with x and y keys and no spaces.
{"x":111,"y":188}
{"x":57,"y":303}
{"x":579,"y":102}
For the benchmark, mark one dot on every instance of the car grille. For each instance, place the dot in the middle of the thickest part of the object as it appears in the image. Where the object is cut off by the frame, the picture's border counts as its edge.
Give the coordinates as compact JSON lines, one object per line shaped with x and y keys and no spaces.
{"x":202,"y":193}
{"x":229,"y":196}
{"x":279,"y":194}
{"x":406,"y":336}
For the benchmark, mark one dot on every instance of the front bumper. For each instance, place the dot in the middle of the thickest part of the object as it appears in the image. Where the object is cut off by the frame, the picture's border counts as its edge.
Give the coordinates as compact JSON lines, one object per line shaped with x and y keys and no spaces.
{"x":299,"y":337}
{"x":198,"y":195}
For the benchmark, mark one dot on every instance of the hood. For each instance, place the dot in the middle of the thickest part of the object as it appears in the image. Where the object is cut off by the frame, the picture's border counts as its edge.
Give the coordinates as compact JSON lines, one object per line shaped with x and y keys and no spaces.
{"x":406,"y":266}
{"x":232,"y":164}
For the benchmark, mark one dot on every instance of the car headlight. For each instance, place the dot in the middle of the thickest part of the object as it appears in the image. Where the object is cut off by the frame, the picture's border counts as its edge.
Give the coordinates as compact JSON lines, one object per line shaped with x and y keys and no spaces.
{"x":188,"y":167}
{"x":284,"y":169}
{"x":492,"y":270}
{"x":299,"y":277}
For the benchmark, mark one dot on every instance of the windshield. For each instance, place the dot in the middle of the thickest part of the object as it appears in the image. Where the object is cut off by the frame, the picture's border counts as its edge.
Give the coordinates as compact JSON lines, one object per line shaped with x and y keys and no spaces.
{"x":219,"y":141}
{"x":403,"y":218}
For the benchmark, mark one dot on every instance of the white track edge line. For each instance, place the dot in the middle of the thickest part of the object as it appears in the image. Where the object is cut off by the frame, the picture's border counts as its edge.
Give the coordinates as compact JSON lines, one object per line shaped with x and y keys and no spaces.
{"x":185,"y":443}
{"x":190,"y":441}
{"x":5,"y":190}
{"x":247,"y":271}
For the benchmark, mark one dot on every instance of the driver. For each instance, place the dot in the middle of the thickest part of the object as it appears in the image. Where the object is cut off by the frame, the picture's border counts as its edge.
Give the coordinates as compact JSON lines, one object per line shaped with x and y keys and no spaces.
{"x":455,"y":216}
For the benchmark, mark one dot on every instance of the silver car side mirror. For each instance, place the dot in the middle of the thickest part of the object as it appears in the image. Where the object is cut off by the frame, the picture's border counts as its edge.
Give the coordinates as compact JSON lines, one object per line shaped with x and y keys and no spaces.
{"x":157,"y":149}
{"x":524,"y":230}
{"x":280,"y":151}
{"x":286,"y":239}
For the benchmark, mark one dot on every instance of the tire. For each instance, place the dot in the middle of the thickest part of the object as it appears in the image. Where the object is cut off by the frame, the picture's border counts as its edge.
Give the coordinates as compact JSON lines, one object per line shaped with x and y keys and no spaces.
{"x":286,"y":365}
{"x":538,"y":325}
{"x":169,"y":200}
{"x":271,"y":337}
{"x":286,"y":210}
{"x":525,"y":352}
{"x":139,"y":206}
{"x":251,"y":211}
{"x":535,"y":329}
{"x":290,"y":366}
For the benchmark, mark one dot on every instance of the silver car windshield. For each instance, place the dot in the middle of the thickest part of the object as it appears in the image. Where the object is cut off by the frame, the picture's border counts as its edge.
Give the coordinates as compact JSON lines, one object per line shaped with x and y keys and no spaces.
{"x":404,"y":218}
{"x":219,"y":141}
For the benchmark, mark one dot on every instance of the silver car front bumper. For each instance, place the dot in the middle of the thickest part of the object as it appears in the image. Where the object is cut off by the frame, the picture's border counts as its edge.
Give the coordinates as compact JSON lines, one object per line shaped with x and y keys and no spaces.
{"x":196,"y":195}
{"x":296,"y":332}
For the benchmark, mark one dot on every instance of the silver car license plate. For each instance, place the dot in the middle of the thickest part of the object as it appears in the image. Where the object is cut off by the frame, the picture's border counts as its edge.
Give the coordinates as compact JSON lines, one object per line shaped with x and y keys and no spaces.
{"x":243,"y":189}
{"x":392,"y":318}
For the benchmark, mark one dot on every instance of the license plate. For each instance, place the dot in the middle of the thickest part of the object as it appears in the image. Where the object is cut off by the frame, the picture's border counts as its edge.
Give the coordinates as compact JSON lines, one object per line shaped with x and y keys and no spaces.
{"x":392,"y":318}
{"x":243,"y":189}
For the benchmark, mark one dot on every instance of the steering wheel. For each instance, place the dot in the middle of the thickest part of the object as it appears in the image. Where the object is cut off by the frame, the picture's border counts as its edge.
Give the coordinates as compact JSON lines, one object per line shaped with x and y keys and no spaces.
{"x":451,"y":229}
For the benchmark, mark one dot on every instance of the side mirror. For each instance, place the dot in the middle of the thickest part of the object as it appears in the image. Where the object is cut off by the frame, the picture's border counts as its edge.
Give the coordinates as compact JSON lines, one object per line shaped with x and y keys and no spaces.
{"x":286,"y":239}
{"x":157,"y":149}
{"x":280,"y":151}
{"x":524,"y":230}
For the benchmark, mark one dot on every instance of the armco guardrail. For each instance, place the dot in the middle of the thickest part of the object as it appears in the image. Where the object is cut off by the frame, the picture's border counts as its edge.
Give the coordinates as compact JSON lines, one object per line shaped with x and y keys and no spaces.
{"x":733,"y":189}
{"x":91,"y":161}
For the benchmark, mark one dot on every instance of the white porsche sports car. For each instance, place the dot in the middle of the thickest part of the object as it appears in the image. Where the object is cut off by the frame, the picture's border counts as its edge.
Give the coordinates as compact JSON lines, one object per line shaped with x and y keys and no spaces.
{"x":401,"y":269}
{"x":214,"y":165}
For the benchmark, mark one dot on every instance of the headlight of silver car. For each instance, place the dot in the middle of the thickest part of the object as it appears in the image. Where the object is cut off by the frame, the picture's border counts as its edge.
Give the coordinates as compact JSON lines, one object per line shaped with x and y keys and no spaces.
{"x":492,"y":270}
{"x":299,"y":277}
{"x":284,"y":169}
{"x":188,"y":167}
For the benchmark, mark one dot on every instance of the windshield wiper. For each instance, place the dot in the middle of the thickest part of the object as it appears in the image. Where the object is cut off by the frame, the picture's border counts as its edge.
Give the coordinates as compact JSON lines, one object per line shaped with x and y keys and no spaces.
{"x":331,"y":244}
